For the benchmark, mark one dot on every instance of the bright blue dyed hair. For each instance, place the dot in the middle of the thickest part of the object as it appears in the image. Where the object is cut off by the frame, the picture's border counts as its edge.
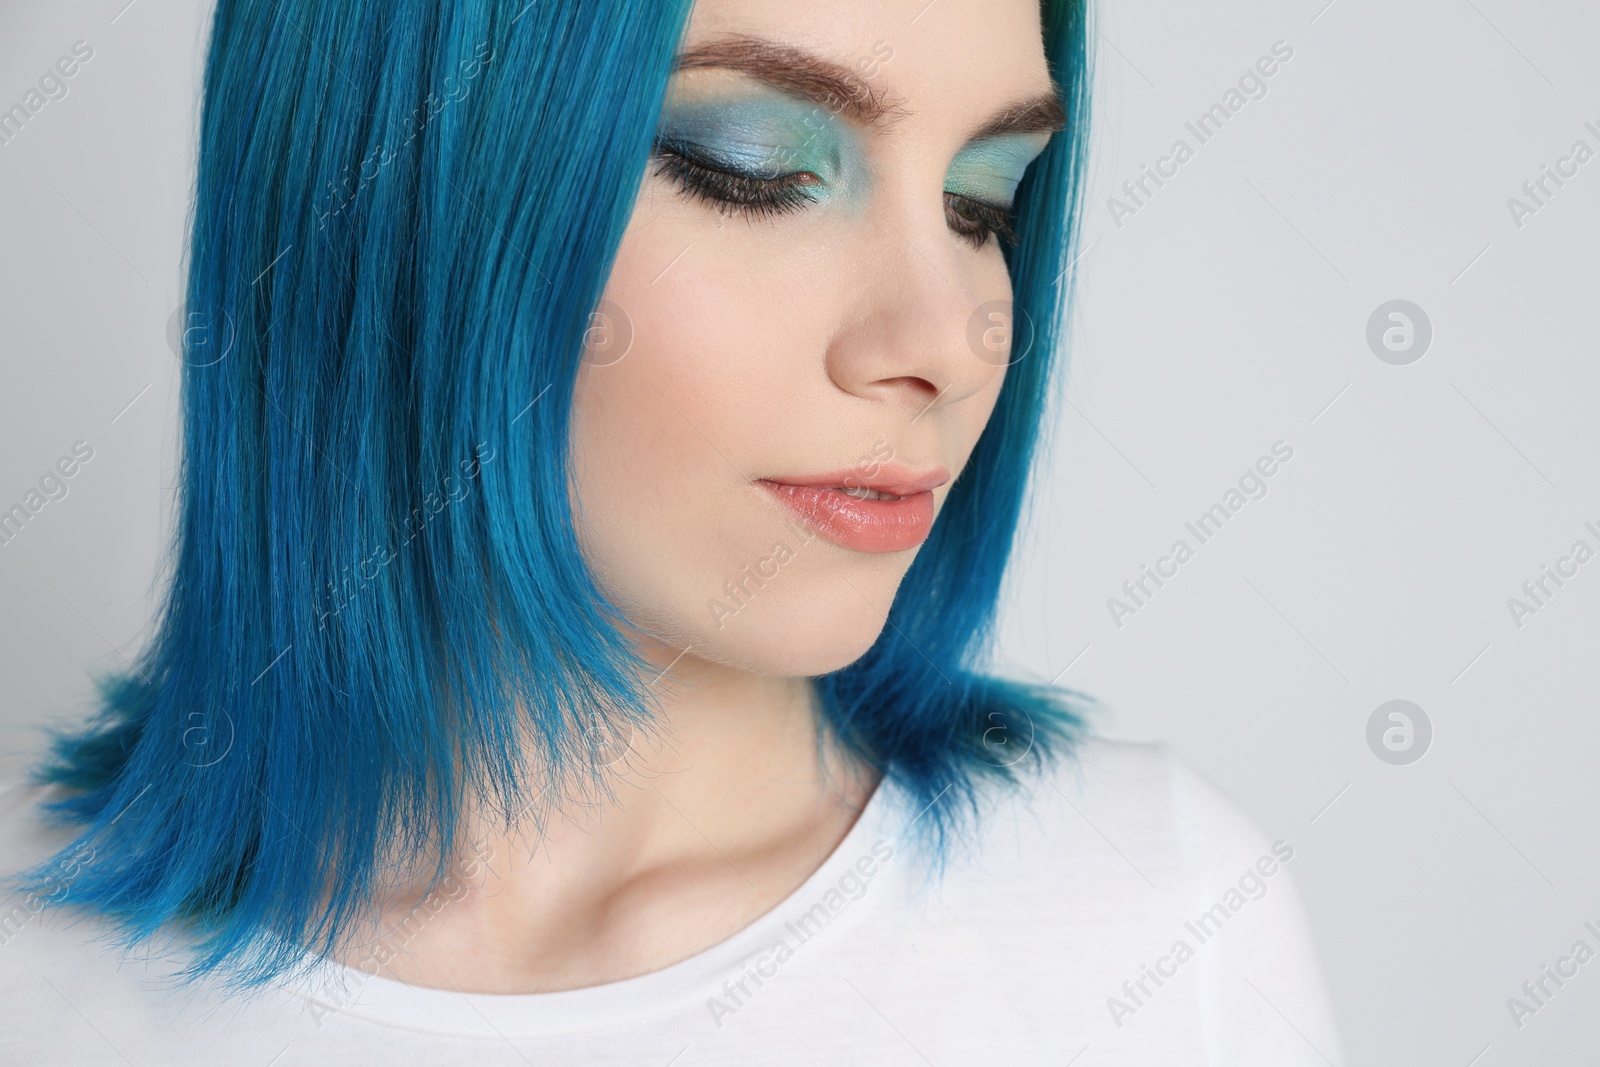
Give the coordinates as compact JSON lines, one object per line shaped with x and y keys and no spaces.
{"x":406,"y":210}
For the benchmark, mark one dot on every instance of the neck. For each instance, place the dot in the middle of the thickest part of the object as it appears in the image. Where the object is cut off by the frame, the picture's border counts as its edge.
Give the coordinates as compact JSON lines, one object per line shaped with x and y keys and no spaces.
{"x":718,"y":815}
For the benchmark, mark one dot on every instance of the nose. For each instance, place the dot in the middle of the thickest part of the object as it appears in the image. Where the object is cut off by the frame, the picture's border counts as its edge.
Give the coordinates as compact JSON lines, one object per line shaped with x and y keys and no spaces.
{"x":919,"y":328}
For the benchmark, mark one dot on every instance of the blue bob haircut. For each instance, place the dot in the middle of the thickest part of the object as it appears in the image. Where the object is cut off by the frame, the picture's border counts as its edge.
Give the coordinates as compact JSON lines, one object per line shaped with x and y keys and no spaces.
{"x":378,"y":619}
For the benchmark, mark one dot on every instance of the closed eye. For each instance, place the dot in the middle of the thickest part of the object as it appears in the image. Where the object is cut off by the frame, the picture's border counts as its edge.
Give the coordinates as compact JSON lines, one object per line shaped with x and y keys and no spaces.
{"x":764,"y":196}
{"x":757,"y":196}
{"x":976,"y":220}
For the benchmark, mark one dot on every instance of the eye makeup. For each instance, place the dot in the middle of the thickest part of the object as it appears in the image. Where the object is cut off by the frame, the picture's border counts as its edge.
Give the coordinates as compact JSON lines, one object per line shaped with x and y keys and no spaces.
{"x":744,"y":147}
{"x":990,"y":170}
{"x":759,"y":149}
{"x":981,"y":185}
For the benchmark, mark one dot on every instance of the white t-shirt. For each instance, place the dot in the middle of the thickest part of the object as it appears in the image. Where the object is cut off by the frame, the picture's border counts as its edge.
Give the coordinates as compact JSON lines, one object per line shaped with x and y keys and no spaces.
{"x":1121,"y":910}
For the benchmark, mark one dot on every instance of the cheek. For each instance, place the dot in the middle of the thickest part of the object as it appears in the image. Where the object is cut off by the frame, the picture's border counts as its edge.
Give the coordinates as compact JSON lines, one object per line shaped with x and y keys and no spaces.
{"x":965,"y":422}
{"x":662,"y":438}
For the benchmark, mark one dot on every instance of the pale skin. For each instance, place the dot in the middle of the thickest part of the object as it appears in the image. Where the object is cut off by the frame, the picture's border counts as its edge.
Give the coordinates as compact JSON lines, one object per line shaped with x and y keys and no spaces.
{"x":763,"y":346}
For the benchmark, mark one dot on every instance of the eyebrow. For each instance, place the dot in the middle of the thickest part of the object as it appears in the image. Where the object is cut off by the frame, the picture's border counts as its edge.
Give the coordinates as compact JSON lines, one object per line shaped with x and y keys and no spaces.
{"x":842,"y":91}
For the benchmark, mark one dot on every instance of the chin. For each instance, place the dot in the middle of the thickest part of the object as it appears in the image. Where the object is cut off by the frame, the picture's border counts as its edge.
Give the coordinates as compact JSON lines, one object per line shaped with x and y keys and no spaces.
{"x":790,"y":647}
{"x":801,"y":623}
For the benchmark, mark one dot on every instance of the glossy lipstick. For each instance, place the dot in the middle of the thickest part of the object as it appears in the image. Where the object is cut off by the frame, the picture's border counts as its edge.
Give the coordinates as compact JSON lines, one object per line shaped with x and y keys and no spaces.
{"x":889,"y":511}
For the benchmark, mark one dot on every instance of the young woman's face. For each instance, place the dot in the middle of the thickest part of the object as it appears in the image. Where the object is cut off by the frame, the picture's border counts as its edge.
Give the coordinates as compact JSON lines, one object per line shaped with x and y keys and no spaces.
{"x":808,"y":314}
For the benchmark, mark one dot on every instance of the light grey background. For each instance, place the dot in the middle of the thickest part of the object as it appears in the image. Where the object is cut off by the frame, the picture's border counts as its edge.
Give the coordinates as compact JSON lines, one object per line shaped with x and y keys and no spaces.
{"x":1229,"y":312}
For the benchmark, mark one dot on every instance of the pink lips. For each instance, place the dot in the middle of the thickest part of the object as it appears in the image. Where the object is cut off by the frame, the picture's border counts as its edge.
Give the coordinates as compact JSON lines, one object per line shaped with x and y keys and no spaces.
{"x":864,"y":524}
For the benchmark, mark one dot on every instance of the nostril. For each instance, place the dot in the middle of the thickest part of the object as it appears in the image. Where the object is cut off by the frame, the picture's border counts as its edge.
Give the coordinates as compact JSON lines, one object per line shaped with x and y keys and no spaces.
{"x":919,"y":387}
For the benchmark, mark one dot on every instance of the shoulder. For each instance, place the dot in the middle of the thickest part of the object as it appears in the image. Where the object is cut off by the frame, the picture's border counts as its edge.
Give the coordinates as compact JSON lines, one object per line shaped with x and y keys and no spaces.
{"x":1148,"y":772}
{"x":1138,"y":813}
{"x":1151,"y":796}
{"x":1134,"y":862}
{"x":76,"y":994}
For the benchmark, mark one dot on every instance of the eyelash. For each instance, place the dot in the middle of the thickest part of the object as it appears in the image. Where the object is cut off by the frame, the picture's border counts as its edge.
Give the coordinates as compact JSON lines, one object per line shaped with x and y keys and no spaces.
{"x":984,"y":220}
{"x":972,"y":220}
{"x":759,"y":197}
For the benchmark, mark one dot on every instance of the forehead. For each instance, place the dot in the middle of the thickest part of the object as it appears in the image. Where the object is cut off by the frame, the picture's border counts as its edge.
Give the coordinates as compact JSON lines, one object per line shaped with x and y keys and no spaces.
{"x":944,"y":63}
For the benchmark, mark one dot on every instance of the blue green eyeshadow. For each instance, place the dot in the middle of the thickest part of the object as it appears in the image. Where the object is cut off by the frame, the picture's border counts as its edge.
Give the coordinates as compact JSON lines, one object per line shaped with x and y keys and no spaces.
{"x":760,"y":133}
{"x":990,"y":170}
{"x":765,"y":134}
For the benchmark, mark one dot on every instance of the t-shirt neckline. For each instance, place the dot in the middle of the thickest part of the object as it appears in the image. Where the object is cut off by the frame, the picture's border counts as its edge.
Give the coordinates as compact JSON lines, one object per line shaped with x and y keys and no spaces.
{"x":337,"y":989}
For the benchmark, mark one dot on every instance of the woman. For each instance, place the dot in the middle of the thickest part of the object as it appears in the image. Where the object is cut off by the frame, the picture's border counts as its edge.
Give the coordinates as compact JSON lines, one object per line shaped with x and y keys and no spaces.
{"x":562,"y":661}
